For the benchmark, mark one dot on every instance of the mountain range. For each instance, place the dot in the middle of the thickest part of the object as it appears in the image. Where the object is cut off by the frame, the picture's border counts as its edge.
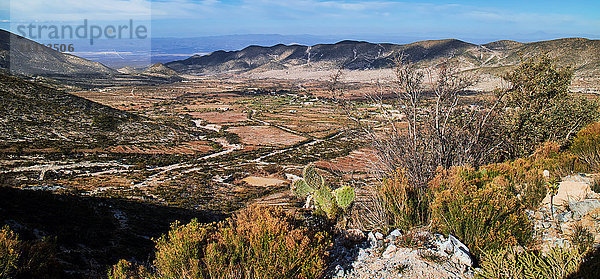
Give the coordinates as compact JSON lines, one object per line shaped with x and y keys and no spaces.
{"x":582,"y":54}
{"x":22,"y":56}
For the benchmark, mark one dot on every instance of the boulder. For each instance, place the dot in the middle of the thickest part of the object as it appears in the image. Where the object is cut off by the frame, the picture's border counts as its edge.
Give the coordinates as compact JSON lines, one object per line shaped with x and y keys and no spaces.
{"x":462,"y":257}
{"x":389,"y":252}
{"x":581,"y":208}
{"x":457,"y":251}
{"x":572,"y":188}
{"x":564,"y":217}
{"x":394,"y":234}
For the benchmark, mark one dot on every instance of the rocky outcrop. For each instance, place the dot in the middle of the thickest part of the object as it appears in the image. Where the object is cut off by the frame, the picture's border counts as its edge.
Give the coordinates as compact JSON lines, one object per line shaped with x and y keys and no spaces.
{"x":575,"y":205}
{"x":412,"y":255}
{"x":422,"y":254}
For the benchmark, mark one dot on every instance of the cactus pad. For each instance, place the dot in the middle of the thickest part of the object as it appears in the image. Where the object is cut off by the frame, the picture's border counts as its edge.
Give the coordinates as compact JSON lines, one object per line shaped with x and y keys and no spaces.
{"x":344,"y":196}
{"x":326,"y":201}
{"x":301,"y":189}
{"x":312,"y":178}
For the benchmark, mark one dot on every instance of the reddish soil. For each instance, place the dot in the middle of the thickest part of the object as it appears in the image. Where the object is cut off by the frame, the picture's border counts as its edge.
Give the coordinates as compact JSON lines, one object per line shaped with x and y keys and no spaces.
{"x":220,"y":117}
{"x":265,"y":135}
{"x":360,"y":160}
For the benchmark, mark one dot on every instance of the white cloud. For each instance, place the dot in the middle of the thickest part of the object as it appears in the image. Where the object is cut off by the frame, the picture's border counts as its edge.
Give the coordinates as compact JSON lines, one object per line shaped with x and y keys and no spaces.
{"x":76,"y":10}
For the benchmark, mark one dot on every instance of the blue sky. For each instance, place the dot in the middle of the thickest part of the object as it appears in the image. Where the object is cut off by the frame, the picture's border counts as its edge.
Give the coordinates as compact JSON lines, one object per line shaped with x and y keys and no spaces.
{"x":486,"y":20}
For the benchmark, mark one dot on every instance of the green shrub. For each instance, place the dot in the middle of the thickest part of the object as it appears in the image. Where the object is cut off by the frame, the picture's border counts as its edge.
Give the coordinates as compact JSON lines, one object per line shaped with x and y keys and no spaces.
{"x":263,"y":242}
{"x":179,"y":253}
{"x":259,"y":242}
{"x":26,"y":259}
{"x":582,"y":238}
{"x":406,"y":206}
{"x":126,"y":270}
{"x":558,"y":263}
{"x":549,"y":156}
{"x":586,"y":146}
{"x":484,"y":217}
{"x":540,"y":107}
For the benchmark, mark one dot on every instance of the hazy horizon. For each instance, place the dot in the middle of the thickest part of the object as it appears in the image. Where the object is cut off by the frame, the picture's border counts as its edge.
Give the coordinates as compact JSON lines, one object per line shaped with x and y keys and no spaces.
{"x":466,"y":19}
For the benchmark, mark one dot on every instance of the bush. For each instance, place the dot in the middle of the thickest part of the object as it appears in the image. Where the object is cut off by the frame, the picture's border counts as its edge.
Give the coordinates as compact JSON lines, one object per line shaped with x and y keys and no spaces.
{"x":259,"y":242}
{"x":26,"y":259}
{"x":126,"y":270}
{"x":179,"y":253}
{"x":264,"y":242}
{"x":9,"y":252}
{"x":405,"y":206}
{"x":582,"y":238}
{"x":558,"y":263}
{"x":540,"y":108}
{"x":484,"y":217}
{"x":549,"y":156}
{"x":586,"y":146}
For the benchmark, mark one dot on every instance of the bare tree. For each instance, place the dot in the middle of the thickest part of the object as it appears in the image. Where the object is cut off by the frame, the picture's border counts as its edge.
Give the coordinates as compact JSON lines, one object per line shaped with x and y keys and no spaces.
{"x":442,"y":124}
{"x":427,"y":119}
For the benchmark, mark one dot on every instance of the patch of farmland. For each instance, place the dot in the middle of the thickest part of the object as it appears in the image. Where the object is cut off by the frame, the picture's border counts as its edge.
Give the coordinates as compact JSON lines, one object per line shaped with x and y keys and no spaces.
{"x":220,"y":117}
{"x":265,"y":135}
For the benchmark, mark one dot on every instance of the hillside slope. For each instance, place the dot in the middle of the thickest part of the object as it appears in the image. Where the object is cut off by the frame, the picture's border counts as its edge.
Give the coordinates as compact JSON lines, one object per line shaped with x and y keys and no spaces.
{"x":31,"y":112}
{"x":23,"y":56}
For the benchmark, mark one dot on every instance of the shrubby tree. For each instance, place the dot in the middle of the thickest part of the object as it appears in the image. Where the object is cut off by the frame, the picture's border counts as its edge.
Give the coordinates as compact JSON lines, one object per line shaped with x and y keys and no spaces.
{"x":539,"y":107}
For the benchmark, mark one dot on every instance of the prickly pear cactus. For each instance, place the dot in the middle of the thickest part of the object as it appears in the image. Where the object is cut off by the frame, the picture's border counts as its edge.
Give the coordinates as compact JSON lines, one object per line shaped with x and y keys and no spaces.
{"x":301,"y":189}
{"x":312,"y":177}
{"x":344,"y":196}
{"x":326,"y":200}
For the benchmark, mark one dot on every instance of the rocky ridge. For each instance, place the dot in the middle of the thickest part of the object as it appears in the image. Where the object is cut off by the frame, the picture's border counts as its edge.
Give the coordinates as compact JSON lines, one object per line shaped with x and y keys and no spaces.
{"x":419,"y":254}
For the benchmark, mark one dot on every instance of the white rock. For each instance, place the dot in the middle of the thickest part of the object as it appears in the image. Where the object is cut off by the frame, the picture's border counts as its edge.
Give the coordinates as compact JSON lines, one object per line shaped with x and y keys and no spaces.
{"x":339,"y":271}
{"x":461,"y":252}
{"x":362,"y":255}
{"x":581,"y":208}
{"x":372,"y":239}
{"x":394,"y":234}
{"x":462,"y":257}
{"x":457,"y":243}
{"x":379,"y":235}
{"x":389,"y":251}
{"x":446,"y":247}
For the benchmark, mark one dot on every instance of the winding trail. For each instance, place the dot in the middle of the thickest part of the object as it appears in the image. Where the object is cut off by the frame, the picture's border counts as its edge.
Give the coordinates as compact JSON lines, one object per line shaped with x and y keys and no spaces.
{"x":159,"y":178}
{"x":56,"y":167}
{"x":155,"y":179}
